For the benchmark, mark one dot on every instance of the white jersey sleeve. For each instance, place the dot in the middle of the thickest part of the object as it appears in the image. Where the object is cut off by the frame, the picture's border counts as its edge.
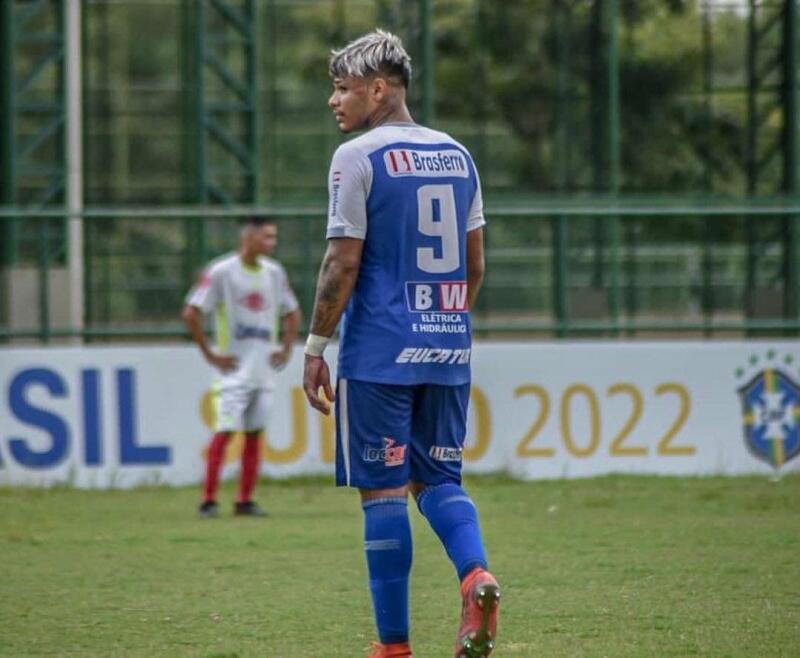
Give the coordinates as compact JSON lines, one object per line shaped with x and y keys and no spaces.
{"x":207,"y":294}
{"x":349,"y":183}
{"x":287,"y":301}
{"x":475,"y":219}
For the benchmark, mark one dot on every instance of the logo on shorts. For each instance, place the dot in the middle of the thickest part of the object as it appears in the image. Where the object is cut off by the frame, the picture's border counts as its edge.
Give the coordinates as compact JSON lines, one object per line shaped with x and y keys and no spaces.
{"x":390,"y":454}
{"x":445,"y":454}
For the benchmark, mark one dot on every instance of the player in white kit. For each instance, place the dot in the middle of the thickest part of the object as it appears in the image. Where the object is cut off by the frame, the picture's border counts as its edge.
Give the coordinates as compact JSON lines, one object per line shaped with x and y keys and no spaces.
{"x":257,"y":319}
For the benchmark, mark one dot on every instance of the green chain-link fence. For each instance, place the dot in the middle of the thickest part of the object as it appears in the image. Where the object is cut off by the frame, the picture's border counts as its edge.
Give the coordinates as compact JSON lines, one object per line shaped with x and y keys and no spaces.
{"x":674,"y":269}
{"x":606,"y":133}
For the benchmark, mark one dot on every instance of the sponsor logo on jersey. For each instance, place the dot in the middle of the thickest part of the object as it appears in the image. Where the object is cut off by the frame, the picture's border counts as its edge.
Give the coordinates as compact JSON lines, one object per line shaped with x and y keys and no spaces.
{"x":439,"y":297}
{"x":390,"y":454}
{"x":445,"y":454}
{"x":254,"y":301}
{"x":433,"y":355}
{"x":428,"y":164}
{"x":336,"y":184}
{"x":244,"y":331}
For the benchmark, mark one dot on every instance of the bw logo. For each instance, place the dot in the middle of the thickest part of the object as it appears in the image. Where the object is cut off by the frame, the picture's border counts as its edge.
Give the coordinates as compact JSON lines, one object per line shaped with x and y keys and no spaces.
{"x":771,"y":415}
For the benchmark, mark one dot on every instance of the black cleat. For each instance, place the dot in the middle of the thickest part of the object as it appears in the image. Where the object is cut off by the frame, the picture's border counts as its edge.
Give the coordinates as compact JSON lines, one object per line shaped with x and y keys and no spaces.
{"x":209,"y":510}
{"x":248,"y":509}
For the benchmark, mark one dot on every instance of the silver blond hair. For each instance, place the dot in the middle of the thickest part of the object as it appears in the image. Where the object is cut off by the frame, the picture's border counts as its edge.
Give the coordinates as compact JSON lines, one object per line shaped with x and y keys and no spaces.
{"x":375,"y":52}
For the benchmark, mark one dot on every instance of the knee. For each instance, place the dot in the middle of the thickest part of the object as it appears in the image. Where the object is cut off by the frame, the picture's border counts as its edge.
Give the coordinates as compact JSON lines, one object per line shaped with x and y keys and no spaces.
{"x":418,"y":488}
{"x":373,"y":494}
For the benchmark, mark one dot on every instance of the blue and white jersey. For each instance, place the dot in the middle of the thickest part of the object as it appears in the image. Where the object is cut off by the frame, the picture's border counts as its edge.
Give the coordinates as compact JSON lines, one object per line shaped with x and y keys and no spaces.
{"x":412,"y":194}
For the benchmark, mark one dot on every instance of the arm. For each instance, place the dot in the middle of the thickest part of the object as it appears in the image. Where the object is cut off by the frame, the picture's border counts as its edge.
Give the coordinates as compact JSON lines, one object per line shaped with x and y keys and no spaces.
{"x":290,"y":325}
{"x":193,"y":318}
{"x":475,"y":264}
{"x":337,"y":278}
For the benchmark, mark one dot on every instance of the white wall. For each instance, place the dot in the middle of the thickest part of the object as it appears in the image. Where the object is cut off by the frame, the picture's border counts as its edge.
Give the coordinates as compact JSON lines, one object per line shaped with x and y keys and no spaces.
{"x":122,"y":416}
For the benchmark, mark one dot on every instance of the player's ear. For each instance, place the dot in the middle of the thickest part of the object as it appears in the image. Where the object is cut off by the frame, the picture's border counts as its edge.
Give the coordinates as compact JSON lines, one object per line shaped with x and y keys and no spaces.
{"x":378,"y":88}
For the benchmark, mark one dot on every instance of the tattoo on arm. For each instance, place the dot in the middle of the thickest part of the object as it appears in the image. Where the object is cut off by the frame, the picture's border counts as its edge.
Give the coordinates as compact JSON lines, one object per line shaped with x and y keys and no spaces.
{"x":334,"y":287}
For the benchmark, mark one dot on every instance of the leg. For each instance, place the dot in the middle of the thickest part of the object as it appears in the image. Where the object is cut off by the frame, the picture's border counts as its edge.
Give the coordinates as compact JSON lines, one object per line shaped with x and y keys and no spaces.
{"x":438,"y":430}
{"x":388,"y":549}
{"x":372,"y":423}
{"x":255,"y":419}
{"x":250,"y":460}
{"x":251,"y":457}
{"x":230,"y":404}
{"x":216,"y":453}
{"x":454,"y":518}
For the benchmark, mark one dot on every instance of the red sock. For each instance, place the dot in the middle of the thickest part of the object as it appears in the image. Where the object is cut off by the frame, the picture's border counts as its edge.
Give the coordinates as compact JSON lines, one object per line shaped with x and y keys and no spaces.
{"x":216,"y":453}
{"x":250,"y":460}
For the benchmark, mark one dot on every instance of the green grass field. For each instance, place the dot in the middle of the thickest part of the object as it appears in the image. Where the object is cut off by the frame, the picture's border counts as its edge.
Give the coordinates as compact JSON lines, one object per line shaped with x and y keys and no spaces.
{"x":614,"y":566}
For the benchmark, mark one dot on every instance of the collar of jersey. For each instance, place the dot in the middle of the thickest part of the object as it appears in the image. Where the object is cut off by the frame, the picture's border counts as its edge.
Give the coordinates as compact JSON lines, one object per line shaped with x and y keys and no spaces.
{"x":254,"y":269}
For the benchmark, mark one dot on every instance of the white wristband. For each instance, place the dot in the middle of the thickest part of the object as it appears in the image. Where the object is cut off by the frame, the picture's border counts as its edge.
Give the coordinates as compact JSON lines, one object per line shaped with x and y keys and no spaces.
{"x":315,"y":345}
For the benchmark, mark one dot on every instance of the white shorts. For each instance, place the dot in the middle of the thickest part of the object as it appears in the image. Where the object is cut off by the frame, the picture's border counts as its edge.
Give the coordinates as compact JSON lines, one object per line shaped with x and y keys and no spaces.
{"x":242,"y":408}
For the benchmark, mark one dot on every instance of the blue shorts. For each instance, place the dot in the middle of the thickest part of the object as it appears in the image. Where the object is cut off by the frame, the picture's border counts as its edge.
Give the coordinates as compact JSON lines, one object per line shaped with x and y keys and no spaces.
{"x":388,"y":434}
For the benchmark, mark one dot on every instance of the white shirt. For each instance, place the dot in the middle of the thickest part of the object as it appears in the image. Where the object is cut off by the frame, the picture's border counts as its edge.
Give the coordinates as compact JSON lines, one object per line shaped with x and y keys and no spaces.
{"x":248,"y":303}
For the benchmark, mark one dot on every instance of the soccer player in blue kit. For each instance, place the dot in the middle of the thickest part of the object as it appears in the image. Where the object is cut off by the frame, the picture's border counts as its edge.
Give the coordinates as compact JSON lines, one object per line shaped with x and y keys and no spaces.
{"x":403,"y":265}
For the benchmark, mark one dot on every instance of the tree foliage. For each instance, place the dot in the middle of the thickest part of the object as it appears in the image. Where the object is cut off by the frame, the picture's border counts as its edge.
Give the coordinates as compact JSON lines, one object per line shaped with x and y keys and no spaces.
{"x":523,"y":83}
{"x":542,"y":70}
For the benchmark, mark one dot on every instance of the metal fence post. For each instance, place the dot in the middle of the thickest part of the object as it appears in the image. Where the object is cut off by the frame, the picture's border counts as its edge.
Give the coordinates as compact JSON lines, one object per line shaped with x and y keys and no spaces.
{"x":612,"y":19}
{"x":560,"y":223}
{"x":253,"y":123}
{"x":73,"y":142}
{"x":560,"y":232}
{"x":427,"y":48}
{"x":791,"y":142}
{"x":7,"y":130}
{"x":271,"y":120}
{"x":709,"y":233}
{"x":44,"y":279}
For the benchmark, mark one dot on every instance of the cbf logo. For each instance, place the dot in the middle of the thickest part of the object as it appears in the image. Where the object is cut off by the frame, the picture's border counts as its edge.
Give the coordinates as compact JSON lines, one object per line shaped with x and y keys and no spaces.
{"x":390,"y":454}
{"x":771,"y":411}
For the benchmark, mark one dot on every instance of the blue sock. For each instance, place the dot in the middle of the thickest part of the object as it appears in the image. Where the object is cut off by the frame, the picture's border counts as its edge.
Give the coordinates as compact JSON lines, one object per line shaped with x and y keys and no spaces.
{"x":387,"y":544}
{"x":453,"y":517}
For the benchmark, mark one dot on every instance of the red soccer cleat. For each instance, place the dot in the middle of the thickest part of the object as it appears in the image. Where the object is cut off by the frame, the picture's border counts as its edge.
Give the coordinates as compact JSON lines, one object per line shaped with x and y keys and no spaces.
{"x":480,"y":594}
{"x":399,"y":650}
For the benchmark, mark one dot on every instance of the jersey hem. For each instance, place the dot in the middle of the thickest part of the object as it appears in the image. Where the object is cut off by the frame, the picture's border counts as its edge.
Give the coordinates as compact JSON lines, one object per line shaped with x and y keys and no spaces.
{"x":372,"y":379}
